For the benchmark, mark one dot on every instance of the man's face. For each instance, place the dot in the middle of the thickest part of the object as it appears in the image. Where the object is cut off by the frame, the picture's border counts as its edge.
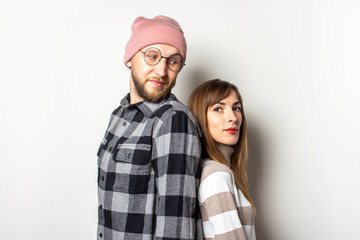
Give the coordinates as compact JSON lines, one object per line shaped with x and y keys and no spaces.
{"x":151,"y":83}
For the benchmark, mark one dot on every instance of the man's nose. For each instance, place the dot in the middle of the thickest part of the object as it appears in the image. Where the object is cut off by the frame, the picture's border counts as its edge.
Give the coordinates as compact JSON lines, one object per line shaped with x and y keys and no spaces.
{"x":161,"y":68}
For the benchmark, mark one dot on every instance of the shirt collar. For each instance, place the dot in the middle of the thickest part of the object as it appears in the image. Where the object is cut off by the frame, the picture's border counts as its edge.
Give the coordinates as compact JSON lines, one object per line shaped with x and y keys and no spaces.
{"x":147,"y":108}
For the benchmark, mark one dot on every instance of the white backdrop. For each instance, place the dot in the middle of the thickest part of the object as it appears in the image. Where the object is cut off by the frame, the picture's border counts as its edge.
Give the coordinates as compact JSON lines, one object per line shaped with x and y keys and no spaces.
{"x":295,"y":62}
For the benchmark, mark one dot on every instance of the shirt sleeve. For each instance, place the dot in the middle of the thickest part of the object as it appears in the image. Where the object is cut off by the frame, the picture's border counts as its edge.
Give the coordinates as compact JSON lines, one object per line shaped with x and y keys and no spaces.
{"x":176,"y":164}
{"x":218,"y":207}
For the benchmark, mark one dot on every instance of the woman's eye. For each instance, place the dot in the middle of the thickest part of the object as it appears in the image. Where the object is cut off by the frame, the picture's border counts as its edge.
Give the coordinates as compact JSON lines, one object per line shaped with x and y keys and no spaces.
{"x":237,"y":109}
{"x":218,"y":109}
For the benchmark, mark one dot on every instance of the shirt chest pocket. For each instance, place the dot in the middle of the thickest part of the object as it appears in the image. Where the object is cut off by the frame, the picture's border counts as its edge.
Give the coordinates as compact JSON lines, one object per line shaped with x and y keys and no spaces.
{"x":133,"y":168}
{"x":133,"y":153}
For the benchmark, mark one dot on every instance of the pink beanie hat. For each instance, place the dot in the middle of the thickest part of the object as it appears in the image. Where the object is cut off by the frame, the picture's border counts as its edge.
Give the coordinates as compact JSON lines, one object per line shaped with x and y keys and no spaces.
{"x":160,"y":30}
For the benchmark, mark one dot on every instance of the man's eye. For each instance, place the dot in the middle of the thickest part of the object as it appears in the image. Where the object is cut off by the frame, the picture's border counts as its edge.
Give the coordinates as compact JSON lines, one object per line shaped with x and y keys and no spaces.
{"x":153,"y":57}
{"x":173,"y":61}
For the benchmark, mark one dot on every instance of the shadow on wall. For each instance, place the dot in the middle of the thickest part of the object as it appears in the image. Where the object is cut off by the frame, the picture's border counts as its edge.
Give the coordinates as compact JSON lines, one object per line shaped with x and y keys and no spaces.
{"x":255,"y":173}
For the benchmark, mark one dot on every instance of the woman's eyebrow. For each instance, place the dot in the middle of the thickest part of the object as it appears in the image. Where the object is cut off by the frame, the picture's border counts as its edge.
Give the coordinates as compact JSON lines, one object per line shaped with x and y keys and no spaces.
{"x":222,"y":103}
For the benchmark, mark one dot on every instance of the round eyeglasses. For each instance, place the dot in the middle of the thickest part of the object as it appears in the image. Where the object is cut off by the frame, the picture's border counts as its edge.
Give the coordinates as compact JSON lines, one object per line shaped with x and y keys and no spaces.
{"x":152,"y":56}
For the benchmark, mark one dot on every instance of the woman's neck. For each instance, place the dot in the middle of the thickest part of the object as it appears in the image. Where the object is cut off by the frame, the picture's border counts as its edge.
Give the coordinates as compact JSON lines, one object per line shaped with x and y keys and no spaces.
{"x":226,"y":151}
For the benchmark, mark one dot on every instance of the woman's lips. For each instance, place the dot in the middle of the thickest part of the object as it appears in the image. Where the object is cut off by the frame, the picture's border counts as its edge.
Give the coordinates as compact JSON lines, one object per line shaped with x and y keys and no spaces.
{"x":231,"y":130}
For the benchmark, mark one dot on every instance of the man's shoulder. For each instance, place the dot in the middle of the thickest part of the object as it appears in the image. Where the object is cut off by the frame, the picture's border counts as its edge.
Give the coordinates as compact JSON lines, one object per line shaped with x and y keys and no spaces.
{"x":173,"y":107}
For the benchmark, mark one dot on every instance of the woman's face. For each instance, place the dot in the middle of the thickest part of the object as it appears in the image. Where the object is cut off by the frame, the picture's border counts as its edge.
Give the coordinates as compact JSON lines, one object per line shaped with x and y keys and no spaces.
{"x":225,"y":119}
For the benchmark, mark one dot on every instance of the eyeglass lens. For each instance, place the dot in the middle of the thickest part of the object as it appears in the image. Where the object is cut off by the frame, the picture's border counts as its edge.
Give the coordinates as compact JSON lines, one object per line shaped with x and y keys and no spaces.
{"x":152,"y":56}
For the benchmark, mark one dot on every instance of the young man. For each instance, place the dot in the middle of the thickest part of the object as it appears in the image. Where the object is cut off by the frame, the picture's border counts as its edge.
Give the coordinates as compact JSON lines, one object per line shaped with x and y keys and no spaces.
{"x":149,"y":158}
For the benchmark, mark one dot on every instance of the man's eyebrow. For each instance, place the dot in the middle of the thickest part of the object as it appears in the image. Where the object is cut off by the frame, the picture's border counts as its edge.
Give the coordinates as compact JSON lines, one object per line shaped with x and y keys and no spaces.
{"x":176,"y":53}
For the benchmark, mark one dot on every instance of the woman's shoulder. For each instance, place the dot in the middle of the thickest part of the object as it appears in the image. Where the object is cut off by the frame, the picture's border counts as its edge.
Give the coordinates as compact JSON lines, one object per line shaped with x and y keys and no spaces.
{"x":216,"y":178}
{"x":210,"y":167}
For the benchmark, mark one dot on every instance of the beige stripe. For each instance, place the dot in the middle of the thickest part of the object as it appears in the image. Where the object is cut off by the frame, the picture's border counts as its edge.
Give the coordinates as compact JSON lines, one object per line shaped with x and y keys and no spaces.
{"x":247,"y":216}
{"x":223,"y":202}
{"x":219,"y":203}
{"x":204,"y":215}
{"x":212,"y":167}
{"x":236,"y":234}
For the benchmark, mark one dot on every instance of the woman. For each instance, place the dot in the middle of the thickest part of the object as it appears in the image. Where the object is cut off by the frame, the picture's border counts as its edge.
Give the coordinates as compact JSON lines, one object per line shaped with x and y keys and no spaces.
{"x":227,"y":211}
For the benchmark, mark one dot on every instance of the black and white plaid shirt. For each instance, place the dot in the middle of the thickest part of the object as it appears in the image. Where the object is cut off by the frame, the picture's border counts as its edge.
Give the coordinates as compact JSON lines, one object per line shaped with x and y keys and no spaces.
{"x":148,"y":172}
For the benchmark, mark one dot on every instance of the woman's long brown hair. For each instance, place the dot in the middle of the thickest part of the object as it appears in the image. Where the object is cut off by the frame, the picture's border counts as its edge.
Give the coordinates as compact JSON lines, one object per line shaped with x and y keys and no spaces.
{"x":204,"y":96}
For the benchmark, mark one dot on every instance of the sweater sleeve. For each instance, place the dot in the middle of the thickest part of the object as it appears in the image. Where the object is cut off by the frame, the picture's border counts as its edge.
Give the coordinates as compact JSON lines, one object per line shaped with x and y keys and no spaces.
{"x":218,"y":206}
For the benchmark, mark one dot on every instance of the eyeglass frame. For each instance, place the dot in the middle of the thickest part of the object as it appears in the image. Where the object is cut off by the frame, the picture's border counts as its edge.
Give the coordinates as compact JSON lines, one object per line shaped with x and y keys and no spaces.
{"x":167,"y":59}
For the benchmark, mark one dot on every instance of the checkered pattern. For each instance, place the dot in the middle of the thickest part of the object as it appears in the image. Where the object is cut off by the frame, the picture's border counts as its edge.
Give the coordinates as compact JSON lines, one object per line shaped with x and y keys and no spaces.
{"x":148,"y":173}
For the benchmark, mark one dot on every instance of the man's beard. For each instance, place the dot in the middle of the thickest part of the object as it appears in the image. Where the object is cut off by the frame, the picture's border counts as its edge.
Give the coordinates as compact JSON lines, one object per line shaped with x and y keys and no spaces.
{"x":152,"y":97}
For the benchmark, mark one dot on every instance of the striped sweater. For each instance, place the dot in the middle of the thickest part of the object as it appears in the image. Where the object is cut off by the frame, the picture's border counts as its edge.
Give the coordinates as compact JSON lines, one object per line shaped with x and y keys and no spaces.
{"x":225,"y":212}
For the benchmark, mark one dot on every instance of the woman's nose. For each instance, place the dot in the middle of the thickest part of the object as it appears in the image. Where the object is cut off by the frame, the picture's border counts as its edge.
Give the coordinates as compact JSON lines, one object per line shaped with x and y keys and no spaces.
{"x":231,"y":116}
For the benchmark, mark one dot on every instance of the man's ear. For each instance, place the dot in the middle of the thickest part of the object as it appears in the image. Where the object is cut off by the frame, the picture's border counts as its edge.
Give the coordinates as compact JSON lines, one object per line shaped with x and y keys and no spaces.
{"x":129,"y":64}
